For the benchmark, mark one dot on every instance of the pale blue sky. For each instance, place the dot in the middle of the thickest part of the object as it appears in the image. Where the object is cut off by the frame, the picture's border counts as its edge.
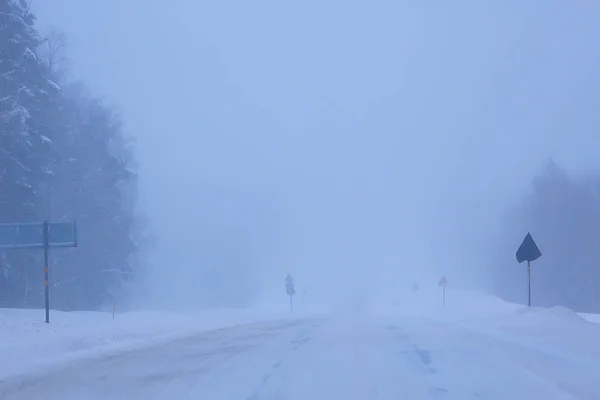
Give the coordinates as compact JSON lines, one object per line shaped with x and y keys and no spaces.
{"x":376,"y":127}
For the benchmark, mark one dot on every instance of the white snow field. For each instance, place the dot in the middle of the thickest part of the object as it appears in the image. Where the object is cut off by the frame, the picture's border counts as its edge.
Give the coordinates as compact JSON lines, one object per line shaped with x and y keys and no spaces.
{"x":33,"y":346}
{"x":478,"y":347}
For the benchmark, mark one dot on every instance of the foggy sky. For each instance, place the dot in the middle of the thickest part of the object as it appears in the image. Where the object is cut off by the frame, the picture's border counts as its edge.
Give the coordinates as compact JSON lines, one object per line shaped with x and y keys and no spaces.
{"x":378,"y":141}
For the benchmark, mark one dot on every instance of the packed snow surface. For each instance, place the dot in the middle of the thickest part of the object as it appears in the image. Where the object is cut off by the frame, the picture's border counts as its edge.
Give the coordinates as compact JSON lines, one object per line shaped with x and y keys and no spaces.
{"x":478,"y":347}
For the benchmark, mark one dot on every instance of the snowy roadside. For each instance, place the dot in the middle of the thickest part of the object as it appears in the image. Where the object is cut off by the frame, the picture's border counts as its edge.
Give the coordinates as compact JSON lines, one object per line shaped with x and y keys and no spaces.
{"x":556,"y":333}
{"x":464,"y":305}
{"x":33,"y":346}
{"x":591,"y":317}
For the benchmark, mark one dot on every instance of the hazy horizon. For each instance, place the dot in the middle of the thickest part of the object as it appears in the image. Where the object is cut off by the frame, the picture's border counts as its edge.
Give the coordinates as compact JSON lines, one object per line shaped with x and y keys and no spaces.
{"x":359,"y":146}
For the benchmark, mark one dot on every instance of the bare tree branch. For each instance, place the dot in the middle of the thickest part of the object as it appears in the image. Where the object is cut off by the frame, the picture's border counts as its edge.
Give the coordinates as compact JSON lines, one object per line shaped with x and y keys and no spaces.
{"x":54,"y":52}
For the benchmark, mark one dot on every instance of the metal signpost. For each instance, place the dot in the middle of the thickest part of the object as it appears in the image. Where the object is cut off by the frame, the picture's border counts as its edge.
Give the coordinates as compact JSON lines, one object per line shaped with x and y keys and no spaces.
{"x":443,"y":283}
{"x":528,"y":251}
{"x":289,"y":289}
{"x":39,"y":235}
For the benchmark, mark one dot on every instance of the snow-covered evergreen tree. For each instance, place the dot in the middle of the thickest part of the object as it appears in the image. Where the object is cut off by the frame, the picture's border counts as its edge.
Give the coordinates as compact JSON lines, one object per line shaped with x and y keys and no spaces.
{"x":63,"y":155}
{"x":27,"y":107}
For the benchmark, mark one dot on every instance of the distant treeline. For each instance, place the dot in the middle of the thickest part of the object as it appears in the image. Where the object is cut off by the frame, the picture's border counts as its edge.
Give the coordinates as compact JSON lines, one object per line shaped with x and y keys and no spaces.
{"x":63,"y":155}
{"x":562,"y":212}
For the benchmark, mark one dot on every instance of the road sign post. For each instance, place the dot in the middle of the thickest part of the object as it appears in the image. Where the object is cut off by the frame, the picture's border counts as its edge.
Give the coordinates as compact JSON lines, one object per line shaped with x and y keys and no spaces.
{"x":32,"y":235}
{"x":443,"y":283}
{"x":528,"y":251}
{"x":46,"y":256}
{"x":528,"y":283}
{"x":593,"y":295}
{"x":289,"y":288}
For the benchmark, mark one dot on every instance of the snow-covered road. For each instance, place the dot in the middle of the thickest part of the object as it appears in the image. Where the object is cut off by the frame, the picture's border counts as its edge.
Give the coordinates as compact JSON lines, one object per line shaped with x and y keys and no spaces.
{"x":351,"y":357}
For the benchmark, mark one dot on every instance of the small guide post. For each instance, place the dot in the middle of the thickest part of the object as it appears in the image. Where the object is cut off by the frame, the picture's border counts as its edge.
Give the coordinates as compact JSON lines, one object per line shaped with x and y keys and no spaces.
{"x":443,"y":283}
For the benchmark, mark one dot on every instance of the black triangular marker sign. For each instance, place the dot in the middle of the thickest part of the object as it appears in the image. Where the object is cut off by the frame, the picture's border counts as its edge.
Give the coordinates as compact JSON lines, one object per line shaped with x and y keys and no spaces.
{"x":528,"y":250}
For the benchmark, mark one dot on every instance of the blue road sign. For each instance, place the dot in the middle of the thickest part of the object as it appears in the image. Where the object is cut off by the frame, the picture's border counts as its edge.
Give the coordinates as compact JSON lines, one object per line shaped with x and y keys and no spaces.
{"x":31,"y":235}
{"x":528,"y":250}
{"x":289,"y":285}
{"x":44,"y":235}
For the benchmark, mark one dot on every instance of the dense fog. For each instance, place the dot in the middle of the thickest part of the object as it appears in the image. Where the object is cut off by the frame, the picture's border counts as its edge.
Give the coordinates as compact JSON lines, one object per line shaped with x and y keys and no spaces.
{"x":363,"y":147}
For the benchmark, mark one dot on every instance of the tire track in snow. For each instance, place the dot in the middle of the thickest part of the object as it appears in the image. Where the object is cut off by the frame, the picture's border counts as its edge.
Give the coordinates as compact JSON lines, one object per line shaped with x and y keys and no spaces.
{"x":418,"y":358}
{"x":300,"y":340}
{"x":488,"y":357}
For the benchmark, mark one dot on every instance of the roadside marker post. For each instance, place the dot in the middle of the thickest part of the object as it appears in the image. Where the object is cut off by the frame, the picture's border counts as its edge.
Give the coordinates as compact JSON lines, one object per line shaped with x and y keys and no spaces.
{"x":290,"y":290}
{"x":443,"y":283}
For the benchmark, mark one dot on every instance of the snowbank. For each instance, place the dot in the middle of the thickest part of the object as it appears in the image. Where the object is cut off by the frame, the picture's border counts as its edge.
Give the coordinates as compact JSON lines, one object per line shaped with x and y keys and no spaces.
{"x":463,"y":305}
{"x":553,"y":332}
{"x":549,"y":316}
{"x":31,"y":345}
{"x":591,"y":317}
{"x":429,"y":301}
